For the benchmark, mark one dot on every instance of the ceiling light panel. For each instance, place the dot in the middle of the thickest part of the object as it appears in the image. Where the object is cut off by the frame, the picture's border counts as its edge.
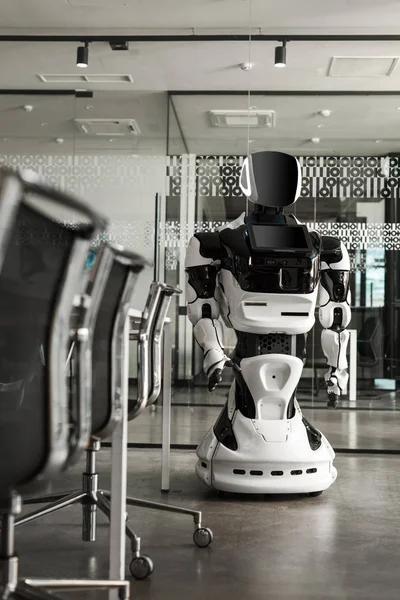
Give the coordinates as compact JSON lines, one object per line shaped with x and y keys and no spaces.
{"x":243,"y":118}
{"x":96,"y":3}
{"x":84,"y":78}
{"x":108,"y":127}
{"x":362,"y":66}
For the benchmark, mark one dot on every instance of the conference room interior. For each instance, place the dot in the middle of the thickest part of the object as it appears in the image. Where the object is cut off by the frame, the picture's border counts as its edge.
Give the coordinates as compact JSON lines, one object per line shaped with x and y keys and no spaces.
{"x":153,"y":135}
{"x":187,"y":169}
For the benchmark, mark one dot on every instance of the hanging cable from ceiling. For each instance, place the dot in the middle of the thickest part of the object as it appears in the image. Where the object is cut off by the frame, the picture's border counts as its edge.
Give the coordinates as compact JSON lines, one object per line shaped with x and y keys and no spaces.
{"x":249,"y":91}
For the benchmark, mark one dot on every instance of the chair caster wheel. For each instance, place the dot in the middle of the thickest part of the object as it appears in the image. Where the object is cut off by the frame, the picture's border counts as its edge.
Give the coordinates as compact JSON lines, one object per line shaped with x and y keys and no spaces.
{"x":141,"y":567}
{"x":203,"y":537}
{"x":314,"y":494}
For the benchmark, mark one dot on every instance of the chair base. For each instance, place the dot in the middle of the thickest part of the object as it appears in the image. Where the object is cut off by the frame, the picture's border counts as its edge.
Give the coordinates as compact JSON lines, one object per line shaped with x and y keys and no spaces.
{"x":35,"y":589}
{"x":92,"y":499}
{"x":32,"y":589}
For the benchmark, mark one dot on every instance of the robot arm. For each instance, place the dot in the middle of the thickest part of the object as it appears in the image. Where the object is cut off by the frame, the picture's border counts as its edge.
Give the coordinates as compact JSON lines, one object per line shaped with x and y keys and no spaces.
{"x":335,"y":314}
{"x":203,"y":309}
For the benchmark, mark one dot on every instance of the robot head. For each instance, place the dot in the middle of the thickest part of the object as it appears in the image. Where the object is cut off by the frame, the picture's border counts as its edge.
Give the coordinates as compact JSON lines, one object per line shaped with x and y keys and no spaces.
{"x":271,"y":179}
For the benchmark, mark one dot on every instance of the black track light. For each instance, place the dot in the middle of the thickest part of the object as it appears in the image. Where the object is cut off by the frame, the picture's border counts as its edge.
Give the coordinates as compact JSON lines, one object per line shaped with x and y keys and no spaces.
{"x":82,"y":56}
{"x":280,"y":55}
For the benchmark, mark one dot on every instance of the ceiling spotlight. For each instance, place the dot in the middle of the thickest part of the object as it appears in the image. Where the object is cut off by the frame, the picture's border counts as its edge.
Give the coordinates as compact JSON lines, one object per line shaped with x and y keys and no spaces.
{"x":59,"y":140}
{"x":320,"y":125}
{"x":315,"y":140}
{"x":280,"y":55}
{"x":325,"y":113}
{"x":82,"y":56}
{"x":28,"y":108}
{"x":246,"y":66}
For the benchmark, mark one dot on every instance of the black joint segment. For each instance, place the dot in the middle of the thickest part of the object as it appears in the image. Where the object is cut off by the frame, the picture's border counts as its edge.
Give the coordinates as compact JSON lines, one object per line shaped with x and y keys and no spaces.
{"x":331,"y":249}
{"x":203,"y":280}
{"x":210,"y":245}
{"x":223,"y":430}
{"x":333,"y":401}
{"x":214,"y":379}
{"x":336,"y":284}
{"x":206,"y":311}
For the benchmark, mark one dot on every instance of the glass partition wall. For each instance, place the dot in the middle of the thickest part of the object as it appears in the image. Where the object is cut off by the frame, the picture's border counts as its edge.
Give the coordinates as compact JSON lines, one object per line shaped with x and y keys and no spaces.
{"x":108,"y":148}
{"x":164,"y":167}
{"x":347,"y":149}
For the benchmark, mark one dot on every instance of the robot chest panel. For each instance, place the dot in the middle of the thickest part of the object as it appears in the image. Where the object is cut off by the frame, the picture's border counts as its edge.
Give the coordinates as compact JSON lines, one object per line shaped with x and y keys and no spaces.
{"x":277,"y":275}
{"x":265,"y":312}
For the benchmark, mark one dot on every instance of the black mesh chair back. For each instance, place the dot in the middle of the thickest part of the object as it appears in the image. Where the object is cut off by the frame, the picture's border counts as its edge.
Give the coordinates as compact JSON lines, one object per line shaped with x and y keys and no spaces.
{"x":117,"y":272}
{"x":40,"y":265}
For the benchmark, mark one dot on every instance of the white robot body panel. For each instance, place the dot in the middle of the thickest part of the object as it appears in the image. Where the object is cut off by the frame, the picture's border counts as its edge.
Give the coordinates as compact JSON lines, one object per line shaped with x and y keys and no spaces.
{"x":265,"y":312}
{"x":272,"y":380}
{"x":273,"y":452}
{"x":264,"y":275}
{"x":334,"y":346}
{"x":273,"y":455}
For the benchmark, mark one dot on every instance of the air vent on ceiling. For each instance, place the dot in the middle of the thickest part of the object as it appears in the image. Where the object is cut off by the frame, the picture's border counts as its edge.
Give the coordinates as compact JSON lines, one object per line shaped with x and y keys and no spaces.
{"x":362,"y":66}
{"x":108,"y":127}
{"x":84,"y":78}
{"x":96,"y":3}
{"x":242,"y":118}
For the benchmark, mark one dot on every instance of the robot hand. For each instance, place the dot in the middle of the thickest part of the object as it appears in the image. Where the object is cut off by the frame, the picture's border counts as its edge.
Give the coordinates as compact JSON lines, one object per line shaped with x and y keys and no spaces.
{"x":336,"y":381}
{"x":214,"y":363}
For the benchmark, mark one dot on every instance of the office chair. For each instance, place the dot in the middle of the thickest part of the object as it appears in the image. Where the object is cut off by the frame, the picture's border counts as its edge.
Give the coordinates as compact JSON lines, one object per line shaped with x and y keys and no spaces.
{"x":112,"y":279}
{"x":42,"y":429}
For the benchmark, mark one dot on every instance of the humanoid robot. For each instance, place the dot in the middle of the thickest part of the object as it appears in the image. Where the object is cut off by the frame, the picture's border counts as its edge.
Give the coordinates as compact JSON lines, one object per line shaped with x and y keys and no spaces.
{"x":264,"y":274}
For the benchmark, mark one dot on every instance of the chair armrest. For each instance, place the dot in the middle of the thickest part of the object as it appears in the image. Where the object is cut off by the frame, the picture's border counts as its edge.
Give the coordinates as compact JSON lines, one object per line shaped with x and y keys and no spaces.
{"x":167,"y":293}
{"x":145,"y":340}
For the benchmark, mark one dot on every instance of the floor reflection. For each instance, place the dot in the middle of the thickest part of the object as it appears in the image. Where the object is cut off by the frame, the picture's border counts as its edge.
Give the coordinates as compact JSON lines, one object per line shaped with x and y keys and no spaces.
{"x":368,"y":424}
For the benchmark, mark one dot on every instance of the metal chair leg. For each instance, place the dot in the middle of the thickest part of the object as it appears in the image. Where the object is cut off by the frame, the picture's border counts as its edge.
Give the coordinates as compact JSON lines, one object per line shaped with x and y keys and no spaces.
{"x":202,"y":536}
{"x":51,"y":508}
{"x":26,"y":592}
{"x":81,"y":584}
{"x":50,"y":498}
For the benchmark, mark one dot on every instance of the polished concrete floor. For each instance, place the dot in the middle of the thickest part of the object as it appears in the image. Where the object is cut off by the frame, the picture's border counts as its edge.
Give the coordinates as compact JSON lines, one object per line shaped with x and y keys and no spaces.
{"x":342,"y":545}
{"x":364,"y":425}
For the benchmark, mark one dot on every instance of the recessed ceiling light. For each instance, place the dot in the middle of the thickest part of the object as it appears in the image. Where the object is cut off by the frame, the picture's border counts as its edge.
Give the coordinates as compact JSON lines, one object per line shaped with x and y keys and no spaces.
{"x":82,"y":56}
{"x":320,"y":125}
{"x":326,"y":112}
{"x":378,"y":141}
{"x":315,"y":140}
{"x":280,"y":55}
{"x":59,"y":140}
{"x":398,"y":108}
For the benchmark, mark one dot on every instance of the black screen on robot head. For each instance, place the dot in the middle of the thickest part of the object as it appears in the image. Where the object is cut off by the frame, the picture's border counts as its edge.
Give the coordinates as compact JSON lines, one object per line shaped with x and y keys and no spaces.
{"x":279,"y":237}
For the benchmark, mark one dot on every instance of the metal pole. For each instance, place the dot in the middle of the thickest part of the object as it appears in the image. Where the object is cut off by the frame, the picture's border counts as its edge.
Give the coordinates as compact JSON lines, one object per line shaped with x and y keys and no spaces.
{"x":166,"y":406}
{"x":119,"y":477}
{"x":353,"y":366}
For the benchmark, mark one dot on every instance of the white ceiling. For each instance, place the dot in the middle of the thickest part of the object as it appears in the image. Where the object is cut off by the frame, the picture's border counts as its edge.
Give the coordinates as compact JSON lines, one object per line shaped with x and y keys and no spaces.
{"x":53,"y":117}
{"x":196,"y":66}
{"x":270,"y":15}
{"x":355,"y":125}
